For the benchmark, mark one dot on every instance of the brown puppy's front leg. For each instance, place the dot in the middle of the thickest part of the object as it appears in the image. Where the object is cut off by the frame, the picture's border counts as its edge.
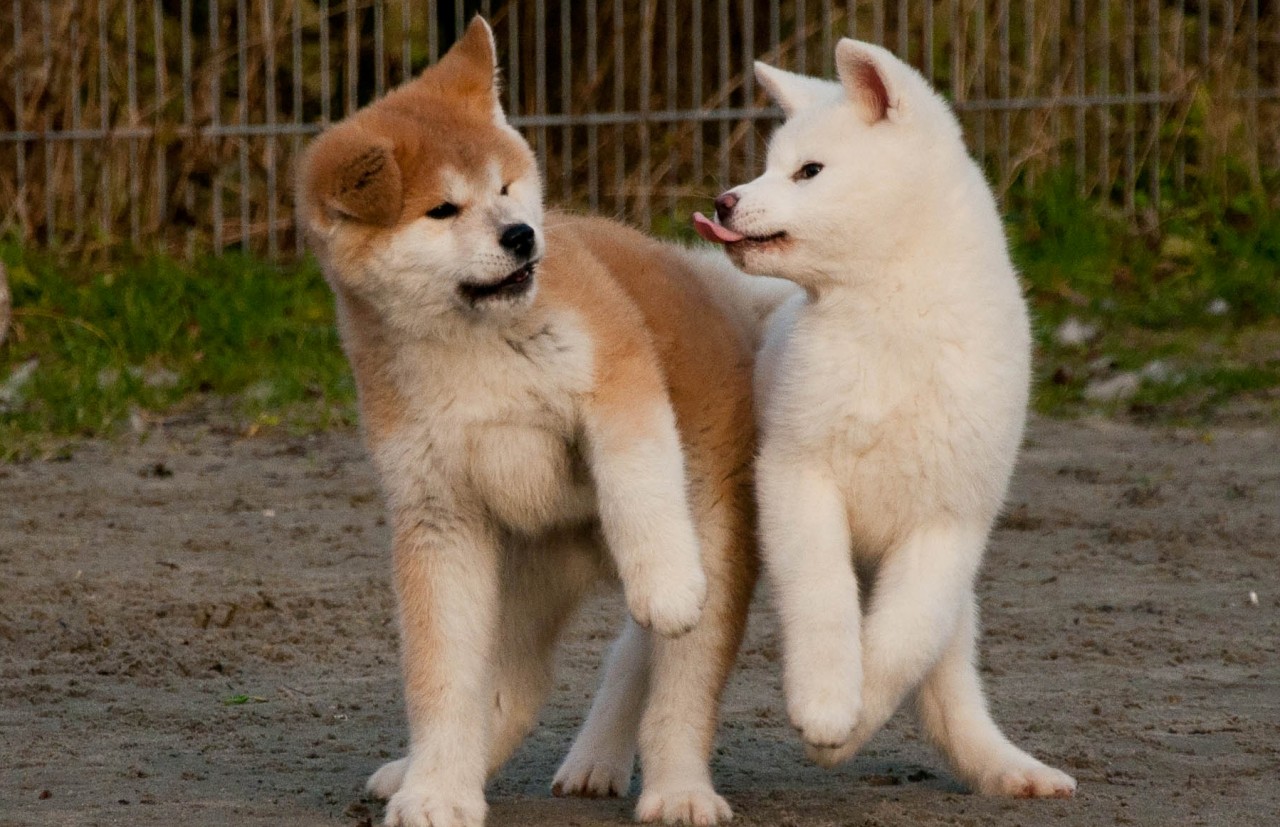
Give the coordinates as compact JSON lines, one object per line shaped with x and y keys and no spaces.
{"x":447,"y":581}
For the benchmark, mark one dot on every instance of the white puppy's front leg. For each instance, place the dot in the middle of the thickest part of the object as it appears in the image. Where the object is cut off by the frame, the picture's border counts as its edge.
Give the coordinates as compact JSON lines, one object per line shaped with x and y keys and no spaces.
{"x":916,"y":605}
{"x":804,"y":535}
{"x":446,"y":578}
{"x":638,"y":468}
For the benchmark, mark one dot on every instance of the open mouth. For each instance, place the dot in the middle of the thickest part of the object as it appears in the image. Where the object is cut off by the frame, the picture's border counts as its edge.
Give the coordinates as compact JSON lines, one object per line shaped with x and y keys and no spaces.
{"x":511,"y":286}
{"x":731,"y":239}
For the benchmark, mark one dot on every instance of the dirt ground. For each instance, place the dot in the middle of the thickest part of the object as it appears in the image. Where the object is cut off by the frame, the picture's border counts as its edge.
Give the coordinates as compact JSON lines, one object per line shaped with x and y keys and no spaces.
{"x":197,"y":630}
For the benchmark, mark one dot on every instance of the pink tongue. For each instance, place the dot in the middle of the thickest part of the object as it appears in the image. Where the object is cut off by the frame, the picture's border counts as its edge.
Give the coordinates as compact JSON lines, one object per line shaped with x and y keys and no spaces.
{"x":712,"y":231}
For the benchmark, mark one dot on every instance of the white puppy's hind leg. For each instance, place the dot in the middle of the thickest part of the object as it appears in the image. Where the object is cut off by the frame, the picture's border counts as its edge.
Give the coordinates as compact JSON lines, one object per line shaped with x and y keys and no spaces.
{"x":603,"y":755}
{"x":954,"y":713}
{"x":805,"y":541}
{"x":916,"y":603}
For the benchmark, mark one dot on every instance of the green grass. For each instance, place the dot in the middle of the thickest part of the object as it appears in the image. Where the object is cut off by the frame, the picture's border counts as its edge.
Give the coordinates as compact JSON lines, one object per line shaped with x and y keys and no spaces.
{"x":152,"y":337}
{"x":1199,"y":296}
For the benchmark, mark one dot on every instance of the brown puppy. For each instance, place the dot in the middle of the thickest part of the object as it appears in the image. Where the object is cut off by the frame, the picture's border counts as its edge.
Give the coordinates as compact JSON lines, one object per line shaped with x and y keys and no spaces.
{"x":548,"y":400}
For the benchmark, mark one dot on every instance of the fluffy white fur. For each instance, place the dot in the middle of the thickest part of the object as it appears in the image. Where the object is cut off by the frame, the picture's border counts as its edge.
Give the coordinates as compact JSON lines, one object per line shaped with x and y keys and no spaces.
{"x":891,"y":390}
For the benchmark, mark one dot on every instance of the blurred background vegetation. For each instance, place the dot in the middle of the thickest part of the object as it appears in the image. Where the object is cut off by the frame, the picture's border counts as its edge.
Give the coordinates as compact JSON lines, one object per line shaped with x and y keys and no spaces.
{"x":146,"y":150}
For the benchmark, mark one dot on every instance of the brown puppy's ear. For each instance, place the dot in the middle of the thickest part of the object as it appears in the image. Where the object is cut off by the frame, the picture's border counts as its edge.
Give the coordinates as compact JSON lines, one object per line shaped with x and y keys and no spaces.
{"x":470,"y":67}
{"x":351,"y":174}
{"x":862,"y":73}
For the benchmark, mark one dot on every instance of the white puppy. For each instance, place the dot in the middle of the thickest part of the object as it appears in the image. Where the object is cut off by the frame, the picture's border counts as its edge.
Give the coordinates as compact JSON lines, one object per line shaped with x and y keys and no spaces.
{"x":892,"y":391}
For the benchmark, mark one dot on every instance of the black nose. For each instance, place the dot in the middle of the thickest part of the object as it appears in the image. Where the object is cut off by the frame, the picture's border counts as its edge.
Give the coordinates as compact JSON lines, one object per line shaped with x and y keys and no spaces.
{"x":725,"y":204}
{"x":518,"y":238}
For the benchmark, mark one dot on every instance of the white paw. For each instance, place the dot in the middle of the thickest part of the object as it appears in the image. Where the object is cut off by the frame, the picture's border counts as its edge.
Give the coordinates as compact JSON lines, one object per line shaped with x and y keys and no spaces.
{"x":591,"y":778}
{"x":387,"y":780}
{"x":669,"y":603}
{"x":418,"y":806}
{"x":828,"y":757}
{"x":695,"y":805}
{"x":1027,"y":778}
{"x":825,"y":719}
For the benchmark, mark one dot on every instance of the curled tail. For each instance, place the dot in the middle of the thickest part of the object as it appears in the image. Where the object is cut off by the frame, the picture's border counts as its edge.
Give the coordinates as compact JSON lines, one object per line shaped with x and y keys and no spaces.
{"x":747,"y":300}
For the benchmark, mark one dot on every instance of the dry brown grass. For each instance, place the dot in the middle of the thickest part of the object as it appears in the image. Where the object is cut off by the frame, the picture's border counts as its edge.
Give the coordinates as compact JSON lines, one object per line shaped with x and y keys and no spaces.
{"x":164,"y":187}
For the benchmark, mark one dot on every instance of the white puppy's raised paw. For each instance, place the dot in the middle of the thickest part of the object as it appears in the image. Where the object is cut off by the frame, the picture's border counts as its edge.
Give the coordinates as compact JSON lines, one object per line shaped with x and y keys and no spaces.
{"x":387,"y":780}
{"x":668,"y":602}
{"x":421,"y":806}
{"x":689,"y":805}
{"x":1027,"y":778}
{"x":592,"y":779}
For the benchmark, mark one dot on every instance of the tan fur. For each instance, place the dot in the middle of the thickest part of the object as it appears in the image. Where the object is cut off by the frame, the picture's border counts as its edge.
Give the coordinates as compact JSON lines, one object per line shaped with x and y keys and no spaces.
{"x":501,"y":439}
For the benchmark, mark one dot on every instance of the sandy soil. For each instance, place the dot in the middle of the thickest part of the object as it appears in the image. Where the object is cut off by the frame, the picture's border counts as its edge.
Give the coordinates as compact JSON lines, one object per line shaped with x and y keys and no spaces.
{"x":143,"y":588}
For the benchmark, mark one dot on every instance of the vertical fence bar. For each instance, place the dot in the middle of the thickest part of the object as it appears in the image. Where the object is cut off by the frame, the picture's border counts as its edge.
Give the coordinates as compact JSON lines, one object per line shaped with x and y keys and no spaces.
{"x":800,"y":36}
{"x":299,"y":240}
{"x":1002,"y":151}
{"x":957,"y":54}
{"x":131,"y":103}
{"x":326,"y":90}
{"x":1054,"y":40}
{"x":19,"y":119}
{"x":406,"y":51}
{"x":242,"y":111}
{"x":513,"y":57}
{"x":904,"y":31}
{"x":1104,"y":111}
{"x":49,"y":189}
{"x":188,"y":122}
{"x":459,"y":19}
{"x":1130,"y":109}
{"x":646,"y":92}
{"x":379,"y":48}
{"x":433,"y":28}
{"x":161,"y":105}
{"x":926,"y":42}
{"x":877,"y":21}
{"x":566,"y":99}
{"x":722,"y":154}
{"x":215,"y":118}
{"x":1156,"y":109}
{"x":351,"y":101}
{"x":1251,"y":106}
{"x":775,"y":33}
{"x":539,"y":78}
{"x":1180,"y":58}
{"x":695,"y":83}
{"x":619,"y":103}
{"x":1080,"y":40}
{"x":828,"y":42}
{"x":269,"y":140}
{"x":77,"y":151}
{"x":1031,"y":86}
{"x":851,"y":18}
{"x":748,"y":85}
{"x":593,"y":131}
{"x":671,"y":101}
{"x":980,"y":82}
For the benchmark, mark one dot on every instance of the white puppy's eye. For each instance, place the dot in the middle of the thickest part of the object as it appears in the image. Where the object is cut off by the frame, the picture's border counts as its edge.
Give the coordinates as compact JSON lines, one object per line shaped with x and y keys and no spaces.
{"x":504,"y":189}
{"x":445,"y":210}
{"x":807,"y":171}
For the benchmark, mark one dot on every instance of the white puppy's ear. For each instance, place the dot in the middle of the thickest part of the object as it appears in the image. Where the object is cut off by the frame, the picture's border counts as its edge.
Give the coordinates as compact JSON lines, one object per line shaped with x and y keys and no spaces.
{"x":787,"y":89}
{"x":864,"y":72}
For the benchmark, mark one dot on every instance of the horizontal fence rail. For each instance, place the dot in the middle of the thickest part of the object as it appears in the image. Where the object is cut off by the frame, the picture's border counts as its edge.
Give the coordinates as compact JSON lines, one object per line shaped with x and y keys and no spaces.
{"x":175,"y":123}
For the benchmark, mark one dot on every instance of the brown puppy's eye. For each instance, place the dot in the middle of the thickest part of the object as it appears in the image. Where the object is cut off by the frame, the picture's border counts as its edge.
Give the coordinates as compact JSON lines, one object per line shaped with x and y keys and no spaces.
{"x":504,"y":189}
{"x":445,"y":210}
{"x":807,"y":171}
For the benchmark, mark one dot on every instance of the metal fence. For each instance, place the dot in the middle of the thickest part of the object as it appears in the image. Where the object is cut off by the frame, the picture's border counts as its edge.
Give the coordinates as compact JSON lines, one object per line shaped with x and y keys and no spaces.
{"x":174,"y":123}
